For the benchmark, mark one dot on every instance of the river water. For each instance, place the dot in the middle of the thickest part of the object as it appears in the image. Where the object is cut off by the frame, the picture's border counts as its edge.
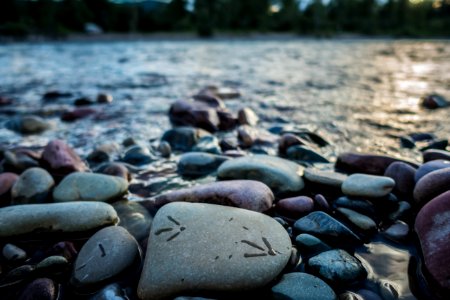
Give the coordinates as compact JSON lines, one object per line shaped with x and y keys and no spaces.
{"x":361,"y":95}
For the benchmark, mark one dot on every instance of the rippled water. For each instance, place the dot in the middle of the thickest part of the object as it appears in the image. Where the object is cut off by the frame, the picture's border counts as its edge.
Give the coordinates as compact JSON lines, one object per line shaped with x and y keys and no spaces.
{"x":361,"y":94}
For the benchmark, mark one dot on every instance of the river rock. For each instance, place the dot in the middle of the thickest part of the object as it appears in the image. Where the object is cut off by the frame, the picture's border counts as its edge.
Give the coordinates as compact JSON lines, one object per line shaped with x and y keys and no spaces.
{"x":138,"y":155}
{"x":55,"y":218}
{"x":53,"y":265}
{"x":327,"y":178}
{"x":104,"y":98}
{"x":366,"y":163}
{"x":337,"y":267}
{"x":209,"y":144}
{"x":90,"y":187}
{"x":433,"y":154}
{"x":403,"y":175}
{"x":295,"y":207}
{"x":78,"y":113}
{"x":134,"y":218}
{"x":397,"y":232}
{"x":28,"y":125}
{"x":195,"y":246}
{"x":281,"y":175}
{"x":164,"y":149}
{"x":326,"y":228}
{"x":309,"y":245}
{"x":33,"y":186}
{"x":436,"y":144}
{"x":194,"y":113}
{"x":362,"y":206}
{"x":106,"y":254}
{"x":360,"y":221}
{"x":115,"y":169}
{"x":434,"y":101}
{"x":363,"y":185}
{"x":247,"y":116}
{"x":302,"y":286}
{"x":59,"y":159}
{"x":40,"y":289}
{"x":432,"y":185}
{"x":321,"y":203}
{"x":197,"y":164}
{"x":183,"y":138}
{"x":246,"y":194}
{"x":18,"y":161}
{"x":13,"y":253}
{"x":433,"y":228}
{"x":431,"y":166}
{"x":7,"y":181}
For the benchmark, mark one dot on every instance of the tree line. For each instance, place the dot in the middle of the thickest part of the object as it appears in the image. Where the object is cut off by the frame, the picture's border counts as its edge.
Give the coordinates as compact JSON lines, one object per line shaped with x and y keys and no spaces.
{"x":207,"y":17}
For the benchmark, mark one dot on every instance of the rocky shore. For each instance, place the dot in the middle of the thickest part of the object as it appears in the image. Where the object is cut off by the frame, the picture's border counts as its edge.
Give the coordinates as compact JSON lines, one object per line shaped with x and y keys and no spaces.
{"x":220,"y":208}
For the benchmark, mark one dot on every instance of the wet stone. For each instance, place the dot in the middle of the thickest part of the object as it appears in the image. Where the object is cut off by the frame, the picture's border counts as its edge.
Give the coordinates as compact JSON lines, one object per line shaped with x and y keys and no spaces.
{"x":138,"y":155}
{"x":337,"y":267}
{"x":402,"y":210}
{"x":194,"y":113}
{"x":360,"y":221}
{"x":295,"y":207}
{"x":309,"y":245}
{"x":55,"y":218}
{"x":183,"y":138}
{"x":40,"y":289}
{"x":434,"y":101}
{"x":326,"y":178}
{"x":53,"y":265}
{"x":366,"y":163}
{"x":33,"y":186}
{"x":362,"y":206}
{"x":302,"y":153}
{"x":110,"y":292}
{"x":281,"y":175}
{"x":321,"y":203}
{"x":78,"y":113}
{"x":246,"y":194}
{"x":90,"y":187}
{"x":433,"y":154}
{"x":164,"y":149}
{"x":115,"y":169}
{"x":397,"y":232}
{"x":247,"y":116}
{"x":369,"y":295}
{"x":432,"y":185}
{"x":238,"y":250}
{"x":438,"y":144}
{"x":7,"y":181}
{"x":350,"y":296}
{"x":106,"y":254}
{"x":13,"y":253}
{"x":302,"y":286}
{"x":197,"y":164}
{"x":28,"y":125}
{"x":134,"y":218}
{"x":429,"y":167}
{"x":18,"y":162}
{"x":209,"y":144}
{"x":367,"y":185}
{"x":403,"y":175}
{"x":326,"y":228}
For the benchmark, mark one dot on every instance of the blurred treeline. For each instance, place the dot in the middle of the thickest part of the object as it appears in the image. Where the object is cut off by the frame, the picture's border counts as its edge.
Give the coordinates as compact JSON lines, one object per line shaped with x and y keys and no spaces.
{"x":317,"y":17}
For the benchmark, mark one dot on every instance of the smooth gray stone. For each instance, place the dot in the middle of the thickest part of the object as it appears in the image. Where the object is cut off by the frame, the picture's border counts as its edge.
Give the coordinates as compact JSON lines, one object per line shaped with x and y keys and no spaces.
{"x":138,"y":155}
{"x":134,"y":218}
{"x":196,"y":246}
{"x":328,"y":178}
{"x":196,"y":164}
{"x":362,"y":222}
{"x":55,"y":218}
{"x":106,"y":254}
{"x":33,"y":186}
{"x":183,"y":138}
{"x":281,"y":175}
{"x":310,"y":245}
{"x":164,"y":149}
{"x":397,"y":232}
{"x":28,"y":125}
{"x":81,"y":186}
{"x":364,"y":185}
{"x":302,"y":286}
{"x":361,"y":206}
{"x":13,"y":253}
{"x":52,"y":264}
{"x":326,"y":228}
{"x":337,"y":267}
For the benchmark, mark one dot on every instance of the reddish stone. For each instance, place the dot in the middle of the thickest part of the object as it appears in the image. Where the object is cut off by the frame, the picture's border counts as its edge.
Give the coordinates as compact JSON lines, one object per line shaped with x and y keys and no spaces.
{"x":7,"y":180}
{"x":78,"y":113}
{"x":197,"y":114}
{"x":117,"y":169}
{"x":59,"y":159}
{"x":434,"y":154}
{"x":366,"y":163}
{"x":433,"y":228}
{"x":432,"y":185}
{"x":295,"y":207}
{"x":403,"y":175}
{"x":287,"y":140}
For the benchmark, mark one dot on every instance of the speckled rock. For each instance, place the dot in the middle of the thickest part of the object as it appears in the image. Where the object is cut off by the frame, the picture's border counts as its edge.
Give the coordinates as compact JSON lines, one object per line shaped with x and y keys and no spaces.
{"x":337,"y":267}
{"x":403,"y":175}
{"x":247,"y":194}
{"x":196,"y":246}
{"x":281,"y":175}
{"x":432,"y":185}
{"x":59,"y":159}
{"x":197,"y":164}
{"x":366,"y":163}
{"x":40,"y":289}
{"x":90,"y":187}
{"x":367,"y":185}
{"x":33,"y":186}
{"x":429,"y":167}
{"x":433,"y":228}
{"x":106,"y":254}
{"x":302,"y":286}
{"x":55,"y":217}
{"x":295,"y":207}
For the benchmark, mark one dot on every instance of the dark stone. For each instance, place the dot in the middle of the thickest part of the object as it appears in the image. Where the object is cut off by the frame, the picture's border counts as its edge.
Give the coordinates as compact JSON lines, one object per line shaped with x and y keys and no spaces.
{"x":7,"y":181}
{"x":138,"y":156}
{"x":164,"y":149}
{"x":197,"y":164}
{"x":28,"y":125}
{"x":440,"y":145}
{"x":13,"y":253}
{"x":104,"y":98}
{"x":210,"y":100}
{"x":434,"y":154}
{"x":321,"y":203}
{"x":196,"y":114}
{"x":134,"y":217}
{"x":418,"y":137}
{"x":295,"y":207}
{"x":78,"y":113}
{"x":431,"y":166}
{"x":360,"y":222}
{"x":18,"y":161}
{"x":432,"y":185}
{"x":33,"y":186}
{"x":403,"y":175}
{"x":40,"y":289}
{"x":83,"y":101}
{"x":302,"y":286}
{"x":366,"y":163}
{"x":209,"y":144}
{"x":183,"y":138}
{"x":52,"y":95}
{"x":115,"y":169}
{"x":407,"y":142}
{"x":434,"y":101}
{"x":302,"y":153}
{"x":309,"y":245}
{"x":247,"y":116}
{"x":287,"y":140}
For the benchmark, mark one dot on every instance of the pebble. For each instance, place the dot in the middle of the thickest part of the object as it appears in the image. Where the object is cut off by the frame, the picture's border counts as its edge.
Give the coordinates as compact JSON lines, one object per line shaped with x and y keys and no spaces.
{"x":303,"y":153}
{"x":321,"y":203}
{"x":53,"y":265}
{"x":362,"y":206}
{"x":246,"y":194}
{"x":83,"y":101}
{"x":309,"y":245}
{"x":282,"y":176}
{"x":407,"y":142}
{"x":337,"y":267}
{"x":137,"y":155}
{"x":439,"y":144}
{"x":350,"y":296}
{"x":360,"y":221}
{"x":402,"y":210}
{"x":195,"y":246}
{"x":429,"y":167}
{"x":59,"y":159}
{"x":403,"y":175}
{"x":18,"y":162}
{"x":433,"y":154}
{"x":115,"y":169}
{"x":434,"y":101}
{"x":194,"y":113}
{"x":55,"y":218}
{"x":33,"y":186}
{"x":209,"y":144}
{"x":369,"y":295}
{"x":164,"y":149}
{"x":363,"y":185}
{"x":183,"y":138}
{"x":28,"y":125}
{"x":197,"y":164}
{"x":433,"y":228}
{"x":432,"y":185}
{"x":134,"y":218}
{"x":302,"y":286}
{"x":397,"y":232}
{"x":7,"y":181}
{"x":326,"y":178}
{"x":247,"y":116}
{"x":366,"y":163}
{"x":78,"y":113}
{"x":40,"y":289}
{"x":90,"y":187}
{"x":104,"y":98}
{"x":388,"y":290}
{"x":106,"y":254}
{"x":326,"y":228}
{"x":295,"y":207}
{"x":13,"y":253}
{"x":111,"y":292}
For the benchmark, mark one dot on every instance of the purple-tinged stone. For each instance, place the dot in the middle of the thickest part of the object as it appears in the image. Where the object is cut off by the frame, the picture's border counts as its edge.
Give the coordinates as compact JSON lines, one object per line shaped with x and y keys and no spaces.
{"x":434,"y":154}
{"x":431,"y":166}
{"x":40,"y":289}
{"x":403,"y":175}
{"x":59,"y":159}
{"x":295,"y":207}
{"x":432,"y":185}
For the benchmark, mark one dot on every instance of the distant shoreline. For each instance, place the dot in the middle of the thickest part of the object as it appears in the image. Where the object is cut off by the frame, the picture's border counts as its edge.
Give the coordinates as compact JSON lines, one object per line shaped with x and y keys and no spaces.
{"x":189,"y":36}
